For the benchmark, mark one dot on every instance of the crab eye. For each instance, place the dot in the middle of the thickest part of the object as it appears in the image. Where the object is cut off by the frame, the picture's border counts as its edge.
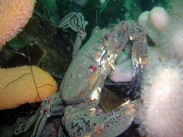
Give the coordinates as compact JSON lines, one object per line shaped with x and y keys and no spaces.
{"x":93,"y":68}
{"x":106,"y":37}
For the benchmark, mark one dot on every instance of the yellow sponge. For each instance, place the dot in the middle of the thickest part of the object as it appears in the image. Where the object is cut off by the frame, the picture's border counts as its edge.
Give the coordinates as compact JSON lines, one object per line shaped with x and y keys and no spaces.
{"x":17,"y":86}
{"x":14,"y":14}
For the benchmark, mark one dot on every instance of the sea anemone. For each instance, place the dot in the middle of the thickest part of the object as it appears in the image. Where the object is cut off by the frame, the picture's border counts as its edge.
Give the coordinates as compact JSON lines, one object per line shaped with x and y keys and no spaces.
{"x":14,"y":14}
{"x":154,"y":22}
{"x":123,"y":72}
{"x":159,"y":18}
{"x":172,"y":38}
{"x":161,"y":112}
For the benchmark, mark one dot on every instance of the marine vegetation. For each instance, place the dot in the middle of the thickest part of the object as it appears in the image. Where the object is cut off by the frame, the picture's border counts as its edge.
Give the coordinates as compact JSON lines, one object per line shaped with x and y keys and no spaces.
{"x":84,"y":59}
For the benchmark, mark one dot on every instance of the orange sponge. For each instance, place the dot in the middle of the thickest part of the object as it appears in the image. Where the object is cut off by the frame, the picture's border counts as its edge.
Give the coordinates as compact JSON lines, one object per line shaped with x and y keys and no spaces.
{"x":14,"y":14}
{"x":17,"y":86}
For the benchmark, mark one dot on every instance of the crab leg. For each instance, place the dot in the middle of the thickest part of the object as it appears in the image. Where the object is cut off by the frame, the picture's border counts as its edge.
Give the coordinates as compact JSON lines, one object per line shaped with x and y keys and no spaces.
{"x":78,"y":42}
{"x":76,"y":22}
{"x":73,"y":20}
{"x":87,"y":122}
{"x":50,"y":107}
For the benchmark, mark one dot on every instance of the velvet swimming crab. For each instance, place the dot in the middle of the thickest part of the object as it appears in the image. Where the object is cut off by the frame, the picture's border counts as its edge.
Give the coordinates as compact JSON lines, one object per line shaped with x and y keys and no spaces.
{"x":79,"y":94}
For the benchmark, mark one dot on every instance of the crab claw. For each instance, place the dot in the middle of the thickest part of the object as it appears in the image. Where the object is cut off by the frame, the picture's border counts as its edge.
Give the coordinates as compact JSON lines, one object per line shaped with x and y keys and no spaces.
{"x":135,"y":83}
{"x":139,"y":60}
{"x":134,"y":86}
{"x":88,"y":123}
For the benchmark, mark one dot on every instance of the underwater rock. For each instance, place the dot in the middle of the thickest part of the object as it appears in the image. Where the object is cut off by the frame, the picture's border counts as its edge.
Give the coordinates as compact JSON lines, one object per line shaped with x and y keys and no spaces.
{"x":39,"y":44}
{"x":113,"y":100}
{"x":56,"y":45}
{"x":24,"y":84}
{"x":28,"y":55}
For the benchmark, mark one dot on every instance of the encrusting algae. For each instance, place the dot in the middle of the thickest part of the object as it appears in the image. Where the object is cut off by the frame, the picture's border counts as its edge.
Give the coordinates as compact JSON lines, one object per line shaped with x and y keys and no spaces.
{"x":14,"y":14}
{"x":22,"y":85}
